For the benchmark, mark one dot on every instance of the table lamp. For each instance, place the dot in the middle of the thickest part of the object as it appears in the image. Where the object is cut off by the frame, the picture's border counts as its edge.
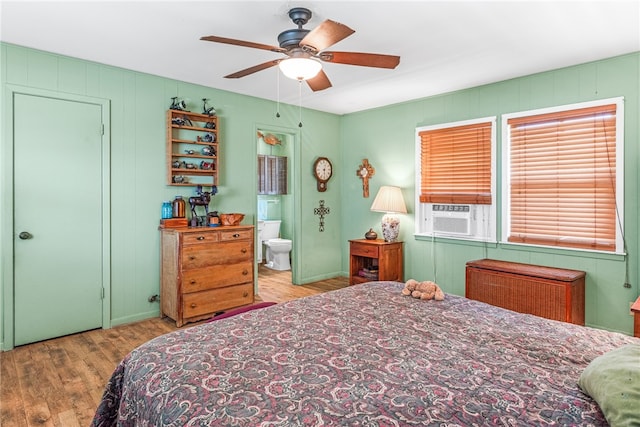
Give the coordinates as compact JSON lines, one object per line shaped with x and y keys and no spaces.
{"x":390,"y":201}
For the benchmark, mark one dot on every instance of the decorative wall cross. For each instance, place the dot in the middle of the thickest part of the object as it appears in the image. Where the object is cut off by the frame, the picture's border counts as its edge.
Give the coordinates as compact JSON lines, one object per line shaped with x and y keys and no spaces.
{"x":322,"y":211}
{"x":364,"y":172}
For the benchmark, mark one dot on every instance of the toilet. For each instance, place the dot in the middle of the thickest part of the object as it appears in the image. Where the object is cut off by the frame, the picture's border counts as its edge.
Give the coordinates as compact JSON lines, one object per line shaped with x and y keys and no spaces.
{"x":277,"y":250}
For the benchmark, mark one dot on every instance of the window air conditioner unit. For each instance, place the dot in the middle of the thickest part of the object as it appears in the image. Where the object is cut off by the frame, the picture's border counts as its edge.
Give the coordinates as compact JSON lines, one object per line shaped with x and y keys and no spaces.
{"x":451,"y":219}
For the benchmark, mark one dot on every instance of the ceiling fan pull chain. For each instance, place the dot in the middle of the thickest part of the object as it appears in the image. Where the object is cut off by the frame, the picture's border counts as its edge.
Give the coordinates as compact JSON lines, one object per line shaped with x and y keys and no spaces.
{"x":300,"y":103}
{"x":278,"y":94}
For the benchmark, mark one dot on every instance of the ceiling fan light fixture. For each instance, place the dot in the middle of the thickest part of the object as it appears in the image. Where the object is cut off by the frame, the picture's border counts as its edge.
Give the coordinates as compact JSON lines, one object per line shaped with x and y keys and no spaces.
{"x":300,"y":68}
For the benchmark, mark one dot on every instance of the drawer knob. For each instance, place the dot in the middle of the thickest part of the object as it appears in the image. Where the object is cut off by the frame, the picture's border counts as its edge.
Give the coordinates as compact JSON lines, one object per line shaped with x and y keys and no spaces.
{"x":236,"y":235}
{"x":245,"y":294}
{"x":200,"y":237}
{"x":243,"y":250}
{"x":191,"y":257}
{"x":245,"y":272}
{"x":193,"y":305}
{"x":193,"y":282}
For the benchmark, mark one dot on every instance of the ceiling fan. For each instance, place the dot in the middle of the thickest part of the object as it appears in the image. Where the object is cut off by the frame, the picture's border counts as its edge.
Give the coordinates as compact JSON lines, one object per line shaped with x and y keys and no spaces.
{"x":308,"y":46}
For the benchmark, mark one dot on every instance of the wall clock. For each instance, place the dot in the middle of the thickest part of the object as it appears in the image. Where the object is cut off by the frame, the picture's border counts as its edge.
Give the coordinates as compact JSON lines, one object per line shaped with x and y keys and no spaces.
{"x":322,"y":170}
{"x":364,"y":172}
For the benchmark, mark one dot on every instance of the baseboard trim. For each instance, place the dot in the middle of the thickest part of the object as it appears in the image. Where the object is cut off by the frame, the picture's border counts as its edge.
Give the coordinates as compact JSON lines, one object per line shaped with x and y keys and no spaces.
{"x":135,"y":318}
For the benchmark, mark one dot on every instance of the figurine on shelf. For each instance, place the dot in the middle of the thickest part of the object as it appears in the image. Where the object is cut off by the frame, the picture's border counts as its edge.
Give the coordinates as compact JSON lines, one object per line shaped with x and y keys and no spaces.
{"x":203,"y":198}
{"x":208,"y":151}
{"x":178,"y":105}
{"x":206,"y":165}
{"x":182,"y":121}
{"x":209,"y":111}
{"x":210,"y":137}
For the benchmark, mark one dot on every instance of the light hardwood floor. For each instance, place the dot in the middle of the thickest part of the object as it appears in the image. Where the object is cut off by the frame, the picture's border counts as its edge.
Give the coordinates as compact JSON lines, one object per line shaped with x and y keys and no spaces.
{"x":59,"y":382}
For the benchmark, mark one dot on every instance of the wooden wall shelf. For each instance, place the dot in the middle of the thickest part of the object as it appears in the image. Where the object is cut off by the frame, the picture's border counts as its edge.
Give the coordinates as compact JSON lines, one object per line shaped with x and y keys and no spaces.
{"x":182,"y":138}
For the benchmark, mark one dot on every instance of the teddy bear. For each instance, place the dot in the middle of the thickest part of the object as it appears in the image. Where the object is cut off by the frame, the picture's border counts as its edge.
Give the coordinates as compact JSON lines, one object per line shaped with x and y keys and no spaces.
{"x":423,"y":290}
{"x":409,"y":287}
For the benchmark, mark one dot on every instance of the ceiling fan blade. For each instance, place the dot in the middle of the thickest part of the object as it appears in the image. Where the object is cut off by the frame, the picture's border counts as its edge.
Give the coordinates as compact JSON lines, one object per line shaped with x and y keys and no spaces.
{"x":324,"y":35}
{"x":364,"y":59}
{"x":319,"y":82}
{"x":253,"y":69}
{"x":236,"y":42}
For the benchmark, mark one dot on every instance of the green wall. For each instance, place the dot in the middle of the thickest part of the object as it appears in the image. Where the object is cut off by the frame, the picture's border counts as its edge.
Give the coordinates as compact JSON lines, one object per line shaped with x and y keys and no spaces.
{"x":385,"y":136}
{"x":138,"y":107}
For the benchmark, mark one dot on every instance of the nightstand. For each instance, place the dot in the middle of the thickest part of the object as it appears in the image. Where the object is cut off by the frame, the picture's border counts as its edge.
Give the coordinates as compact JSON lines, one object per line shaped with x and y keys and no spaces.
{"x":374,"y":260}
{"x":635,"y":308}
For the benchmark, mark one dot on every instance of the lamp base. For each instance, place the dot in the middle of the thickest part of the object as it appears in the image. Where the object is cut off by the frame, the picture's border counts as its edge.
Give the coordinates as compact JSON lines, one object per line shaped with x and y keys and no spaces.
{"x":390,"y":227}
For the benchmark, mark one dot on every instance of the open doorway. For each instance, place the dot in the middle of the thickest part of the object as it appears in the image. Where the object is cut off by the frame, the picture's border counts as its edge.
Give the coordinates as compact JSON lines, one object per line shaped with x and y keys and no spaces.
{"x":275,"y":217}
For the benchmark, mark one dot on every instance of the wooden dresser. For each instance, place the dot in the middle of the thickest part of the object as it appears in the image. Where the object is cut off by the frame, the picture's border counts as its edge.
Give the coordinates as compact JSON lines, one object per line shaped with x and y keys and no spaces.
{"x":554,"y":293}
{"x":205,"y":270}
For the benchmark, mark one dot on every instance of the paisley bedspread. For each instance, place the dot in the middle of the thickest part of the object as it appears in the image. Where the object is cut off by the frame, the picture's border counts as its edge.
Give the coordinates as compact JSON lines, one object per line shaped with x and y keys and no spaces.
{"x":361,"y":356}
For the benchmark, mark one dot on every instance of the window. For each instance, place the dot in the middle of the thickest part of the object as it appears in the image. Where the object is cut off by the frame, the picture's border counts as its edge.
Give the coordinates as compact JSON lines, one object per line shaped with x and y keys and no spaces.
{"x":272,"y":174}
{"x":456,"y":180}
{"x":563,"y":176}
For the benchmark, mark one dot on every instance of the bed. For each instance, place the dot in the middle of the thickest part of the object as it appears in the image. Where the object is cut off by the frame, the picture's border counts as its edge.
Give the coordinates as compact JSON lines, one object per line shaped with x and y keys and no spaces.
{"x":362,"y":356}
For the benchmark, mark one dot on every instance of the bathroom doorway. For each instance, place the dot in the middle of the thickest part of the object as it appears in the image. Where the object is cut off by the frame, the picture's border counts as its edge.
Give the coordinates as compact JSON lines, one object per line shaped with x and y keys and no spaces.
{"x":275,"y":206}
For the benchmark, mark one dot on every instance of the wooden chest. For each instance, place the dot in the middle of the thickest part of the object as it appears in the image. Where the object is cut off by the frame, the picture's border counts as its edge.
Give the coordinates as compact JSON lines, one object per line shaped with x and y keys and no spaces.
{"x":554,"y":293}
{"x":205,"y":270}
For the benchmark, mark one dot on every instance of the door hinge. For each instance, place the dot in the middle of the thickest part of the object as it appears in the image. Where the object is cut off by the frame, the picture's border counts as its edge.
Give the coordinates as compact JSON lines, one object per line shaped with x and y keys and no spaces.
{"x":102,"y":294}
{"x":102,"y":129}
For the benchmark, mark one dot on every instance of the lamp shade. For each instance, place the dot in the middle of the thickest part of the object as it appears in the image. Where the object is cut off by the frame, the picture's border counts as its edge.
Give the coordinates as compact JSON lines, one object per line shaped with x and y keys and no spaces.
{"x":389,"y":199}
{"x":300,"y":68}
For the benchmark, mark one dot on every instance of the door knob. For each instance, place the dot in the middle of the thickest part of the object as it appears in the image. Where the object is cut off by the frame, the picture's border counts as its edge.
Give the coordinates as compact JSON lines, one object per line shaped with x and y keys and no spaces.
{"x":25,"y":235}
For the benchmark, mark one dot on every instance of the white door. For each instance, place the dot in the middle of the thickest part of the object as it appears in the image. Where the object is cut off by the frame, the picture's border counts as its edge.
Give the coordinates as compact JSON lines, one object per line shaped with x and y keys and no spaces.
{"x":58,"y":287}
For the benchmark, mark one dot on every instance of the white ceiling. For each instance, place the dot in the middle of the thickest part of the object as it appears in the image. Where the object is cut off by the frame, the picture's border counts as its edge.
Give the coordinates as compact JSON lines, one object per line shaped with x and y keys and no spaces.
{"x":443,"y":45}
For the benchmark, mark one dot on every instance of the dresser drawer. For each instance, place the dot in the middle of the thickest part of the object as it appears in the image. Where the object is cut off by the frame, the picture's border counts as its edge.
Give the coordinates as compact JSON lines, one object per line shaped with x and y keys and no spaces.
{"x":212,"y":301}
{"x":358,"y":249}
{"x":201,"y":237}
{"x":229,"y":235}
{"x":216,"y":276}
{"x":198,"y":256}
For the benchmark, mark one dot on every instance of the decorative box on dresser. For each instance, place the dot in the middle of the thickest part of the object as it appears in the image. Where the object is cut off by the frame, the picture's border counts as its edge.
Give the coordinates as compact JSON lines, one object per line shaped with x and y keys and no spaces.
{"x":554,"y":293}
{"x":205,"y":270}
{"x":374,"y":260}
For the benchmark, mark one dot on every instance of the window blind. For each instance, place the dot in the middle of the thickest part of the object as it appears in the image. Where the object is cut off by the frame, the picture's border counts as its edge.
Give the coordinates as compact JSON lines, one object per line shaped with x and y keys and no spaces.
{"x":563,"y":178}
{"x":456,"y":164}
